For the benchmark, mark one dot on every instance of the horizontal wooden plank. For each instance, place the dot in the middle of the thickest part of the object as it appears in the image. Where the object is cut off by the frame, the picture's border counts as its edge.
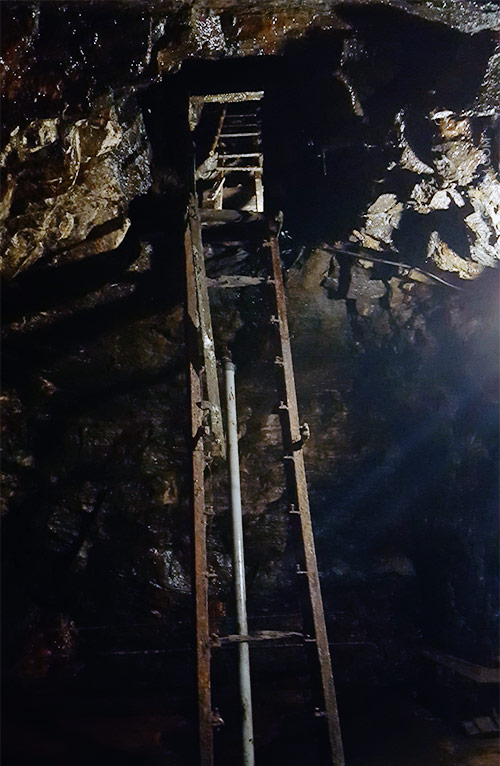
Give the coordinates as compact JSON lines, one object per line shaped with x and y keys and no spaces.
{"x":229,"y":216}
{"x":238,"y":280}
{"x":239,"y":168}
{"x":477,"y":673}
{"x":229,"y":98}
{"x":241,"y":154}
{"x":240,"y":135}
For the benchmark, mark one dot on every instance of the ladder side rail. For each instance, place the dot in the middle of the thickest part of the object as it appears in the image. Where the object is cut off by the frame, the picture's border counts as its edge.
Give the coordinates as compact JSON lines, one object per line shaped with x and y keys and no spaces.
{"x":230,"y":98}
{"x":200,"y":281}
{"x":200,"y":564}
{"x":298,"y":468}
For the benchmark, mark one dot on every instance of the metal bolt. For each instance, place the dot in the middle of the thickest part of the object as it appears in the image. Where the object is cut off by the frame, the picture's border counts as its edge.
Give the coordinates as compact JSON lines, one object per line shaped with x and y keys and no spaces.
{"x":211,"y":574}
{"x":217,"y":720}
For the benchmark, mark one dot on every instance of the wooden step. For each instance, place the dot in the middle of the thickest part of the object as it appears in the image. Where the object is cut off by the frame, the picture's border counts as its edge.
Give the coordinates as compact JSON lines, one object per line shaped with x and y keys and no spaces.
{"x":229,"y":216}
{"x":240,"y":154}
{"x":239,"y":135}
{"x":239,"y":168}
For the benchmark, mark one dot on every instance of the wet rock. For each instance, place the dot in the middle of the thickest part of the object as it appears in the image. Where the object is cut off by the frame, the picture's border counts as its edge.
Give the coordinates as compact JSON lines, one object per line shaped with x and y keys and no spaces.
{"x":395,"y":564}
{"x":401,"y":300}
{"x":365,"y":291}
{"x":242,"y":30}
{"x":271,"y":430}
{"x":488,"y":98}
{"x":447,"y":260}
{"x":470,"y":16}
{"x":461,"y":175}
{"x":97,"y":494}
{"x":459,"y":158}
{"x":409,"y":159}
{"x":426,"y":197}
{"x":70,"y":183}
{"x":382,"y":217}
{"x":208,"y":36}
{"x":50,"y":648}
{"x":484,"y":222}
{"x":143,"y":262}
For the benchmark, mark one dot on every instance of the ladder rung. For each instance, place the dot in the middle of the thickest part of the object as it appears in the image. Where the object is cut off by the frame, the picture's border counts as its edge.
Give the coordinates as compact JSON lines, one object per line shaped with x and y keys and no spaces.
{"x":252,"y":122}
{"x":239,"y":168}
{"x":209,"y":216}
{"x":238,"y":280}
{"x":259,"y":636}
{"x":245,"y":154}
{"x":242,"y":127}
{"x":251,"y":113}
{"x":230,"y":98}
{"x":240,"y":135}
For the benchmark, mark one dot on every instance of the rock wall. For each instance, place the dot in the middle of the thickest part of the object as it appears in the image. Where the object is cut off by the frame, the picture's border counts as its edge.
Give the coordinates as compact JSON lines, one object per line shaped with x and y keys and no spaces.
{"x":69,"y":183}
{"x":395,"y":369}
{"x":402,"y":434}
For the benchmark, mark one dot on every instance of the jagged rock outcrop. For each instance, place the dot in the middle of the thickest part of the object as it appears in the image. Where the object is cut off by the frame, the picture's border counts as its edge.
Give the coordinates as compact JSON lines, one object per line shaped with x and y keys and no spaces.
{"x":458,"y":179}
{"x":69,"y":183}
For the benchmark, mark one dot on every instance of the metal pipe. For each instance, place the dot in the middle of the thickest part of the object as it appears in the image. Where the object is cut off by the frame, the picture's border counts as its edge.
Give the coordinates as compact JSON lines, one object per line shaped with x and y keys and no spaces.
{"x":239,"y":566}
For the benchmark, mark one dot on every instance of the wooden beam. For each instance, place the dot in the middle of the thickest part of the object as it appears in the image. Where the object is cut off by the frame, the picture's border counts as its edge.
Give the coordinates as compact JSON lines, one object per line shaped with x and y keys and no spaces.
{"x":229,"y":98}
{"x":200,"y":564}
{"x":477,"y":673}
{"x":200,"y":279}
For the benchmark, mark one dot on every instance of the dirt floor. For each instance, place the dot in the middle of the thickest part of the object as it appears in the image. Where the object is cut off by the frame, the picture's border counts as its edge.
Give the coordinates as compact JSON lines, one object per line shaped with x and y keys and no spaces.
{"x":146,"y":731}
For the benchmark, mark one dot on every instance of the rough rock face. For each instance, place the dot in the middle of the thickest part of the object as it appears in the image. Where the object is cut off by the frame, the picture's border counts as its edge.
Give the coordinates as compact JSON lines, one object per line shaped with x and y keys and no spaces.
{"x":244,"y":29}
{"x":69,"y":183}
{"x":53,"y":116}
{"x":460,"y":178}
{"x":228,"y":28}
{"x":401,"y":437}
{"x":394,"y":370}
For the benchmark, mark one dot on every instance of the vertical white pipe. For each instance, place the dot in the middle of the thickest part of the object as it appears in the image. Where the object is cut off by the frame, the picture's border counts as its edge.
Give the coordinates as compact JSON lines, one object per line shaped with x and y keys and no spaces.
{"x":239,"y":566}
